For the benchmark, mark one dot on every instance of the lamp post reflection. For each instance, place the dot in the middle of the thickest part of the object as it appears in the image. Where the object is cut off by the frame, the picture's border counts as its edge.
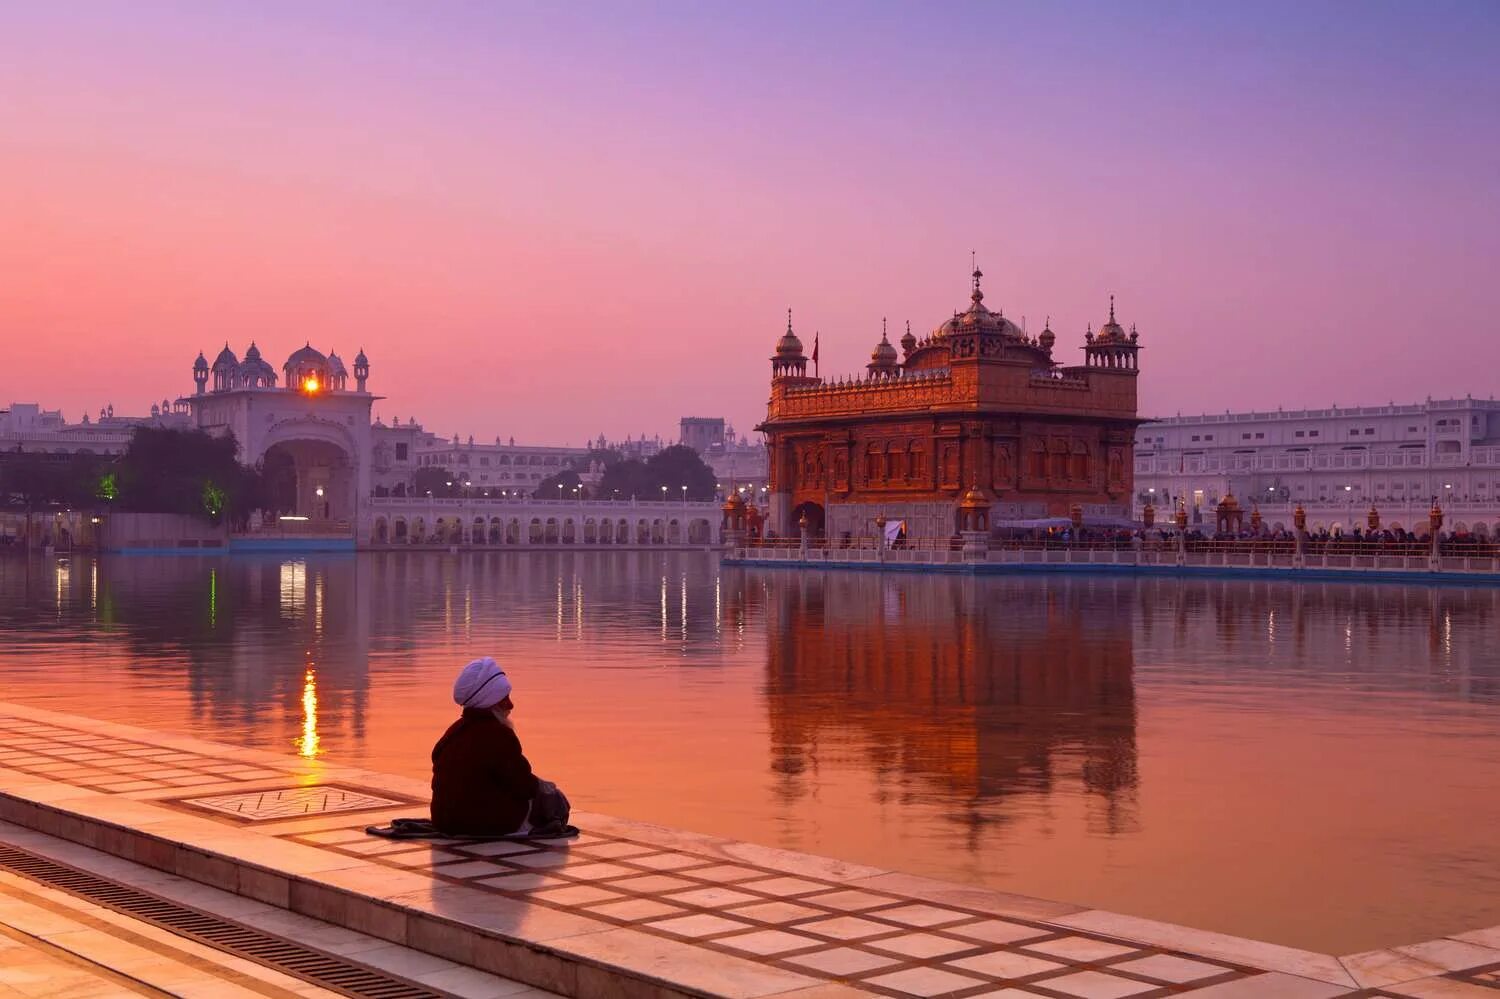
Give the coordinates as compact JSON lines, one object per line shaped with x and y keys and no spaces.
{"x":308,"y":743}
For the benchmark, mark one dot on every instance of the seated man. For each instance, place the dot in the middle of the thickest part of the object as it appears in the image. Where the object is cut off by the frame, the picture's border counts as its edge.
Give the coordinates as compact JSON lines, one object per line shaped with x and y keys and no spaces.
{"x":482,"y":784}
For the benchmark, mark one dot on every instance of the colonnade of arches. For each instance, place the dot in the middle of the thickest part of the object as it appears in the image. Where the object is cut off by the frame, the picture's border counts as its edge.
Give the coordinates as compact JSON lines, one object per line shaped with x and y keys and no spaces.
{"x":539,"y":531}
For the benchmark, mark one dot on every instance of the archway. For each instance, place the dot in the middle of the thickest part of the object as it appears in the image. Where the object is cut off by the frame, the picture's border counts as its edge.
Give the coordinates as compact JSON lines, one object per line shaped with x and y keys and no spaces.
{"x":495,"y":531}
{"x":534,"y":532}
{"x":674,"y":532}
{"x":642,"y":533}
{"x":590,"y":531}
{"x":569,"y":532}
{"x":606,"y":532}
{"x":309,"y":478}
{"x":549,"y":535}
{"x":813,"y":512}
{"x":382,"y":531}
{"x":700,"y":532}
{"x":400,"y":529}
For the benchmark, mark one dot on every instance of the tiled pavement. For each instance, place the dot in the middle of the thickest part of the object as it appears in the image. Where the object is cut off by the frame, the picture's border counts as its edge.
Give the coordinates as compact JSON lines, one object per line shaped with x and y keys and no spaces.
{"x":695,"y":914}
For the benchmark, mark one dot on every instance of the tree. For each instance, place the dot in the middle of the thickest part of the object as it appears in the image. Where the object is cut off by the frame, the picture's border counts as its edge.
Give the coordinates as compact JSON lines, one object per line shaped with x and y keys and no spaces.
{"x":673,"y":467}
{"x":678,"y":466}
{"x":186,"y":471}
{"x":35,"y":480}
{"x":434,"y":481}
{"x":625,"y":479}
{"x":567,"y":478}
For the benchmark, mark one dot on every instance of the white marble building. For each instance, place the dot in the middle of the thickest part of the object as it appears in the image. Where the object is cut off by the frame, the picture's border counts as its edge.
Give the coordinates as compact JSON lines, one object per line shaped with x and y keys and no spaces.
{"x":1336,"y":462}
{"x":312,"y":418}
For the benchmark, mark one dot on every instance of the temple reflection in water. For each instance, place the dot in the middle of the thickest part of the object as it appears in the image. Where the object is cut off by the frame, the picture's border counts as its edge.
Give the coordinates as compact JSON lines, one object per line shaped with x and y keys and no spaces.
{"x":978,"y":689}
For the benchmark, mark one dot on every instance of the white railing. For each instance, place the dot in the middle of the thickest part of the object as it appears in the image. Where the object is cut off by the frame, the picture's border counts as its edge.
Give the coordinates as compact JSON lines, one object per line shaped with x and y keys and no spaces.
{"x":454,"y":502}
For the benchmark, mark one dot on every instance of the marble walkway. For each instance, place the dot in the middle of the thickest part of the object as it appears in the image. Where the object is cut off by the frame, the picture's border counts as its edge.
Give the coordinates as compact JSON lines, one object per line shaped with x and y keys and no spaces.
{"x":631,"y":909}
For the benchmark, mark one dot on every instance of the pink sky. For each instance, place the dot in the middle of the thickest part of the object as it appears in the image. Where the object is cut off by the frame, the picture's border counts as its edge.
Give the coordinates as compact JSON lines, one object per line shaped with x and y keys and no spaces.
{"x":552,"y":221}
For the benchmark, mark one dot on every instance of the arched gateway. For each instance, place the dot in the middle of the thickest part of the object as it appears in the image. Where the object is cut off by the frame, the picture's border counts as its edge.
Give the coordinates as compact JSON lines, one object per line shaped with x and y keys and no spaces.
{"x":310,"y":434}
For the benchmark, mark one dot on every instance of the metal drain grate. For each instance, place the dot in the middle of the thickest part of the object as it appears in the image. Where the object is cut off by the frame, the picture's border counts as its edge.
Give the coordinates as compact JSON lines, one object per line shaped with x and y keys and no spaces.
{"x":332,"y":973}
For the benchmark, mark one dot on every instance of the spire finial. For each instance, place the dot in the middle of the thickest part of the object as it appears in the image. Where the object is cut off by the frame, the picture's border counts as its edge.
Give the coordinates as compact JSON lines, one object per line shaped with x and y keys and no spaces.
{"x":1111,"y":308}
{"x":789,"y":319}
{"x":976,"y":296}
{"x":1048,"y":324}
{"x":883,"y":337}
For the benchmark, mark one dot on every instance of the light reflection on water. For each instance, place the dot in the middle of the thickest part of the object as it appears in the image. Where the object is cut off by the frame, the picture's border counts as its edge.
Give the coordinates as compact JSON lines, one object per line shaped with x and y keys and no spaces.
{"x":1313,"y":763}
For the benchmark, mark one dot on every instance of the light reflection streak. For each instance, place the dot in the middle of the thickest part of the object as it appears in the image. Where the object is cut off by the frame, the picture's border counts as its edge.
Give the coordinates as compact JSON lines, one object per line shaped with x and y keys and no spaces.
{"x":577,"y":608}
{"x":318,"y":604}
{"x":294,"y":589}
{"x":64,"y":578}
{"x":308,"y":742}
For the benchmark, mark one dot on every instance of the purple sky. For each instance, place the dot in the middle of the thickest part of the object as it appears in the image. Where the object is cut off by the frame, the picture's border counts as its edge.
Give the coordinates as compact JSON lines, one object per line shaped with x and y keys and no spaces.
{"x":555,"y":220}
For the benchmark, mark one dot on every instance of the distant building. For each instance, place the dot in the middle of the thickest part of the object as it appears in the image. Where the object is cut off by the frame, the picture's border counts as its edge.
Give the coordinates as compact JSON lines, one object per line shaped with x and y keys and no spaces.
{"x":28,"y":427}
{"x":702,"y":432}
{"x":736,"y":462}
{"x":1336,"y":462}
{"x":979,"y":406}
{"x":487,"y":468}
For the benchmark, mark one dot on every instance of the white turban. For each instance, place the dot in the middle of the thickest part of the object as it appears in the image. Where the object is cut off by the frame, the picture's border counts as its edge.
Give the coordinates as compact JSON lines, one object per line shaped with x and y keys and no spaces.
{"x":482,"y":684}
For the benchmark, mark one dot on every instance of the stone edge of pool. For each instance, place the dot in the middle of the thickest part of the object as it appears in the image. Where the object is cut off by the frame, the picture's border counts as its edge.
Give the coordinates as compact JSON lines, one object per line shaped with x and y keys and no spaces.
{"x":670,"y":912}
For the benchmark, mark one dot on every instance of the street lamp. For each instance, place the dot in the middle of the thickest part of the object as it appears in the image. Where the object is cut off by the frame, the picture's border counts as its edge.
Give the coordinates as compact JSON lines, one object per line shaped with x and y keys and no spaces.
{"x":684,"y":495}
{"x":663,"y":494}
{"x":559,"y":490}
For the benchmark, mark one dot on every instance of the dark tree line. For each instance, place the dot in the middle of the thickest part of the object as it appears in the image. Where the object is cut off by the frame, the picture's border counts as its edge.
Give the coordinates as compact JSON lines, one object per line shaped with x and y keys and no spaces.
{"x":162,"y":471}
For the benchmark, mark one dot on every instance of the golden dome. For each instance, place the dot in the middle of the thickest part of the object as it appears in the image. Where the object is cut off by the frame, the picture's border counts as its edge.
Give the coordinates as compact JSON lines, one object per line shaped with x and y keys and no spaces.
{"x":973,"y":499}
{"x":979,"y":319}
{"x":1111,"y":332}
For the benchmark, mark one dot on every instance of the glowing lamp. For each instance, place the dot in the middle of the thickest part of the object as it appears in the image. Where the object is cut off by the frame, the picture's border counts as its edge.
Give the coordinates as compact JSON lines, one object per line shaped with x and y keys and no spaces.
{"x":310,"y":384}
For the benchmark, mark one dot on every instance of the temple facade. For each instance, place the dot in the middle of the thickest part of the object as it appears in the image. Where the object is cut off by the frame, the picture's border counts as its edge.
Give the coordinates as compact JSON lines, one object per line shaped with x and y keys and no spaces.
{"x":977,"y":411}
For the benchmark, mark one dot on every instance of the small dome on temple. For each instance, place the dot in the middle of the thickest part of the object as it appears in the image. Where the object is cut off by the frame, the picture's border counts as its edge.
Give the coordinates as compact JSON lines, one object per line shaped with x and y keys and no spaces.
{"x":1047,"y":338}
{"x":973,"y":499}
{"x":883,"y":357}
{"x":254,"y":372}
{"x":226,"y":358}
{"x":306,"y":355}
{"x":789,"y":345}
{"x":335,"y":364}
{"x":1111,"y":331}
{"x":360,"y":358}
{"x":201,"y":364}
